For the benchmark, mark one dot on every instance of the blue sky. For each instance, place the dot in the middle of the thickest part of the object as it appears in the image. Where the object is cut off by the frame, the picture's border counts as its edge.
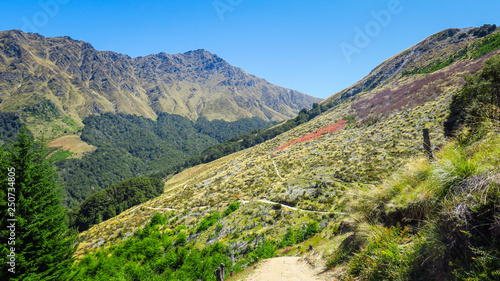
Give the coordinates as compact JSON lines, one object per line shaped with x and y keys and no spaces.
{"x":318,"y":47}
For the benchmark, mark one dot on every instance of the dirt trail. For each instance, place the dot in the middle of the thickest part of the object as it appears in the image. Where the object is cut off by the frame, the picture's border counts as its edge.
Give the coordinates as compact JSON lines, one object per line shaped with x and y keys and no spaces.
{"x":276,"y":167}
{"x":286,"y":269}
{"x":296,"y":209}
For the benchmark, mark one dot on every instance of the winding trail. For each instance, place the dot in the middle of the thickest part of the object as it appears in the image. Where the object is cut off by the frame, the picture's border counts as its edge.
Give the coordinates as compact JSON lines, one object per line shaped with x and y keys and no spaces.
{"x":276,"y":167}
{"x":265,"y":201}
{"x":168,"y":209}
{"x":286,"y":269}
{"x":297,"y":209}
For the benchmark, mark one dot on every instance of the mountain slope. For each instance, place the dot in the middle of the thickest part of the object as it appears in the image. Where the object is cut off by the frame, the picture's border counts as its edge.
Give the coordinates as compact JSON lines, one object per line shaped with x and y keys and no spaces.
{"x":432,"y":53}
{"x":64,"y":81}
{"x":320,"y":169}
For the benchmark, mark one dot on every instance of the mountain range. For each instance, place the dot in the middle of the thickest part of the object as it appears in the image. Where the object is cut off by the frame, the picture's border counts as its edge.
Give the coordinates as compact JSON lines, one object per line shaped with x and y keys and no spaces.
{"x":65,"y":80}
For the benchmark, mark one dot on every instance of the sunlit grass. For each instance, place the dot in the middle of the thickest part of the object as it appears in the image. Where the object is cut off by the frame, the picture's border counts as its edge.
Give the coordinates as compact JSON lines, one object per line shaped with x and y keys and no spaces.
{"x":424,"y":195}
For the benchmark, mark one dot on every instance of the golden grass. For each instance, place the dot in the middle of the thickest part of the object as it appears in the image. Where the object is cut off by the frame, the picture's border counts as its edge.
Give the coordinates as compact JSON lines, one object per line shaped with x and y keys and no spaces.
{"x":74,"y":144}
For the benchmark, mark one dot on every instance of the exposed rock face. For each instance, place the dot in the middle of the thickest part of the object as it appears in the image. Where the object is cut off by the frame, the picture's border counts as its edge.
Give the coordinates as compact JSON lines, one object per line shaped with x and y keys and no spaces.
{"x":79,"y":81}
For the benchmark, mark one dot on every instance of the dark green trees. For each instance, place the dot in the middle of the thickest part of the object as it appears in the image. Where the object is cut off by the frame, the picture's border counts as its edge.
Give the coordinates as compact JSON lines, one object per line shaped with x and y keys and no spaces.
{"x":130,"y":145}
{"x":115,"y":199}
{"x":10,"y":124}
{"x":34,"y":237}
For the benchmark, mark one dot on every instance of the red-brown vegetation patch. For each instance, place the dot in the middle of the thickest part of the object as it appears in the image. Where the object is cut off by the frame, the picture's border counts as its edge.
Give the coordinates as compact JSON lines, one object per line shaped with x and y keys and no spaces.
{"x":415,"y":93}
{"x":318,"y":133}
{"x":407,"y":95}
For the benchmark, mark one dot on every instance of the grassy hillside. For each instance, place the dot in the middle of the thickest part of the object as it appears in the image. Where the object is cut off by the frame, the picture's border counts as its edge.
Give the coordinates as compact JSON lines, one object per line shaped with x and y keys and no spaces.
{"x":436,"y":52}
{"x":364,"y":195}
{"x":73,"y":144}
{"x":430,"y":220}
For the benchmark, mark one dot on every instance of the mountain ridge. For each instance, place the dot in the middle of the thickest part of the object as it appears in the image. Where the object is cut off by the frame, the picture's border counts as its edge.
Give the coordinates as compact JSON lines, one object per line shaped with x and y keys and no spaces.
{"x":422,"y":54}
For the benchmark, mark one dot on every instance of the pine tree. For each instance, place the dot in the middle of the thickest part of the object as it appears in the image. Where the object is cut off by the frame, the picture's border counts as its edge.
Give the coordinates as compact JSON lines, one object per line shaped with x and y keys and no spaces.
{"x":43,"y":244}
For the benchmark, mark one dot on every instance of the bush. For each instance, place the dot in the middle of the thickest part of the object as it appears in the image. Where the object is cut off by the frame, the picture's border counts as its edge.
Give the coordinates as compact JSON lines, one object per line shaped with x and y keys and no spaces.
{"x":264,"y":250}
{"x":181,"y":239}
{"x":231,"y":208}
{"x":294,"y":236}
{"x":208,"y":222}
{"x":157,"y":218}
{"x":478,"y":100}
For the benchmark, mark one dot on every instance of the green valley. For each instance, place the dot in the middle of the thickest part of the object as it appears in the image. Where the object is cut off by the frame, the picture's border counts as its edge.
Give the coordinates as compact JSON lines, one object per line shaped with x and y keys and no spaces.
{"x":128,"y":146}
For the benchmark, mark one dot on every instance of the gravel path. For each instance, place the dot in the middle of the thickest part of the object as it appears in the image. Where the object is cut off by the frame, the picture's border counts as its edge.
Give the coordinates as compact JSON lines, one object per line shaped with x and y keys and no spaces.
{"x":284,"y":268}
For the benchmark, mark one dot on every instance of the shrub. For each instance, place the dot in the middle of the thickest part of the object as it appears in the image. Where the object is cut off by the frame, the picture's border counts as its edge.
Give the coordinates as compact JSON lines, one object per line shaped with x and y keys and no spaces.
{"x":181,"y":239}
{"x":294,"y":236}
{"x":479,"y":99}
{"x":231,"y":208}
{"x":157,"y":218}
{"x":208,"y":222}
{"x":266,"y":249}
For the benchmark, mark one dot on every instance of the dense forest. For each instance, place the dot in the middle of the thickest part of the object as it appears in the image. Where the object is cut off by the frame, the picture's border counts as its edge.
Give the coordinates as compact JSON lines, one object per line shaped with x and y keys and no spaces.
{"x":10,"y":125}
{"x":129,"y":146}
{"x":113,"y":200}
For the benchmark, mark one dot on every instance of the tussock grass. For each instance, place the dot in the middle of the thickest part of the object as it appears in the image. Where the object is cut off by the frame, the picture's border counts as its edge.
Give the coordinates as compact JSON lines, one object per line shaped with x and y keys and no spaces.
{"x":388,"y":255}
{"x":431,"y":220}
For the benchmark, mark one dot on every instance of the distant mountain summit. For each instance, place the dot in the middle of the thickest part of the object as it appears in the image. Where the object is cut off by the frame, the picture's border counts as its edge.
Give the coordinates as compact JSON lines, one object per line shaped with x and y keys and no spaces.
{"x":65,"y":79}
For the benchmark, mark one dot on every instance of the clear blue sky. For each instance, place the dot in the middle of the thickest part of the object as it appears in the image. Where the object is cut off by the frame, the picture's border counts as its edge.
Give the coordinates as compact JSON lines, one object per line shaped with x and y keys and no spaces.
{"x":294,"y":43}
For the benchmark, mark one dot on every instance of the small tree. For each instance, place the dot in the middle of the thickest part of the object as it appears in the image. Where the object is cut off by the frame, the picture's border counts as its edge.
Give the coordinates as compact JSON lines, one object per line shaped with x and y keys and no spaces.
{"x":43,"y":245}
